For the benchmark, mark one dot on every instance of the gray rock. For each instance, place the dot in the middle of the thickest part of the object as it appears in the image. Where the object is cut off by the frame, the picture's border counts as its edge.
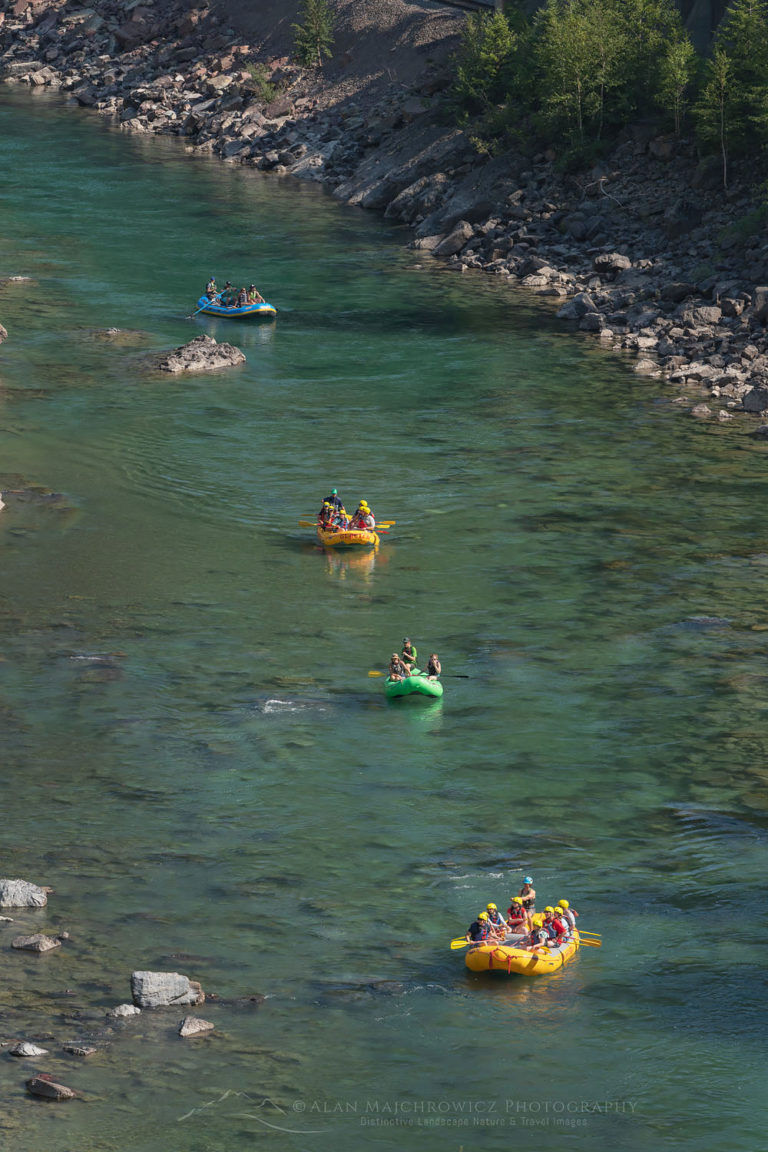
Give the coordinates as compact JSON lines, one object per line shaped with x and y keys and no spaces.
{"x":611,"y":262}
{"x":124,"y":1010}
{"x":194,"y":1026}
{"x":203,"y":354}
{"x":647,"y":368}
{"x":21,"y":894}
{"x":36,"y":943}
{"x":3,"y":333}
{"x":701,"y":411}
{"x":581,"y":304}
{"x":46,"y":1086}
{"x":82,"y":1049}
{"x":756,"y":400}
{"x":453,"y":243}
{"x":161,"y":989}
{"x":677,"y":291}
{"x":592,"y":322}
{"x":27,"y":1048}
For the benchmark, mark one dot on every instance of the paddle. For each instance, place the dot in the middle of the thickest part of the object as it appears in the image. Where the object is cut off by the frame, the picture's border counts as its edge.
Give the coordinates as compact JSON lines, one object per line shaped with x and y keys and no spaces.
{"x":460,"y":942}
{"x":216,"y":297}
{"x":590,"y":943}
{"x":450,"y":675}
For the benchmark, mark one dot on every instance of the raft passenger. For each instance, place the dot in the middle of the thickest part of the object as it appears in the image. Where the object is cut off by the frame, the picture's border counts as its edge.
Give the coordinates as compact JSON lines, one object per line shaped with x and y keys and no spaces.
{"x":517,"y":920}
{"x":242,"y":298}
{"x":496,"y":920}
{"x":210,"y":288}
{"x":539,"y":937}
{"x":398,"y":670}
{"x":255,"y":297}
{"x":434,"y":667}
{"x":528,"y":894}
{"x":569,"y":915}
{"x":409,"y":653}
{"x":478,"y":930}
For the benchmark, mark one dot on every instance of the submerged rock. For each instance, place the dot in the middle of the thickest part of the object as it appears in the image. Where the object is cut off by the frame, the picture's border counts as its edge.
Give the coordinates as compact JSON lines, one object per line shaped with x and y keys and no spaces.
{"x":194,"y":1026}
{"x":22,"y":894}
{"x":36,"y":943}
{"x":82,"y":1049}
{"x":123,"y":1010}
{"x":203,"y":354}
{"x":162,"y":989}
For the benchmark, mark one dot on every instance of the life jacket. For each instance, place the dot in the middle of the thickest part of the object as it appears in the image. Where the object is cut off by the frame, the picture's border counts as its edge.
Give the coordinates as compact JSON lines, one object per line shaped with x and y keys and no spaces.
{"x":497,"y":919}
{"x":560,"y":927}
{"x":478,"y":931}
{"x":515,"y":913}
{"x":528,"y":901}
{"x":569,"y":918}
{"x":539,"y":936}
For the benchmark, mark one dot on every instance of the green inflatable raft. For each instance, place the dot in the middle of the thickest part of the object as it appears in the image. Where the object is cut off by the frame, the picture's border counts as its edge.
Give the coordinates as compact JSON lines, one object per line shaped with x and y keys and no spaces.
{"x":417,"y":682}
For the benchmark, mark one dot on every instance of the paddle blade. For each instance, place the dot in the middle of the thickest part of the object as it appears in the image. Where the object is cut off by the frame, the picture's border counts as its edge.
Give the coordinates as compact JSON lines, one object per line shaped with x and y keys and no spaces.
{"x":373,"y":672}
{"x":459,"y":942}
{"x":590,"y":943}
{"x":307,"y":524}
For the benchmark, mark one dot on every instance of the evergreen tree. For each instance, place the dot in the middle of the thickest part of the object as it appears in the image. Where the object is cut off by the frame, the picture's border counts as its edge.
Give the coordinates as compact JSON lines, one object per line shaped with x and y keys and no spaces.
{"x":482,"y":62}
{"x":314,"y":36}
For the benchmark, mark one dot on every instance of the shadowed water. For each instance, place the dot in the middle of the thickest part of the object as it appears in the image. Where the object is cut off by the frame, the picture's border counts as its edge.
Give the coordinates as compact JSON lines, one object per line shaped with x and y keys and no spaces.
{"x":196,"y":760}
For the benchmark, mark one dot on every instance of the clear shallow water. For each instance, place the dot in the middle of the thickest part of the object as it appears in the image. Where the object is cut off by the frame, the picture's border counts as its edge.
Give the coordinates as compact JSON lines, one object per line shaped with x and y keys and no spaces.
{"x":226,"y":793}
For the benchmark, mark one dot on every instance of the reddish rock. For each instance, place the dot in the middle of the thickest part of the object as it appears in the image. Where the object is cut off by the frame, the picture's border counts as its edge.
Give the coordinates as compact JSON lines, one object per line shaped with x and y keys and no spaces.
{"x":45,"y":1086}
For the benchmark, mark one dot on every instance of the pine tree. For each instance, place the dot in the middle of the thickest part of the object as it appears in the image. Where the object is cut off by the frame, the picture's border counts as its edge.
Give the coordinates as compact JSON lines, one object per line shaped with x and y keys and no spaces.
{"x":482,"y":61}
{"x":743,"y":35}
{"x":314,"y":36}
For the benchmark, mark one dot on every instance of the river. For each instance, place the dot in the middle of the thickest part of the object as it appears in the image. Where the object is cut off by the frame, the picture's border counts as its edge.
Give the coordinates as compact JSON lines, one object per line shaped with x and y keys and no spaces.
{"x":197,"y":761}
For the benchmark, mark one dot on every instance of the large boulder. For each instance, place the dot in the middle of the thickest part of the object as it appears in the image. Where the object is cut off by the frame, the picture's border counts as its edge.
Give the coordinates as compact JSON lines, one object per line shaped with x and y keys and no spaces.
{"x":756,"y":400}
{"x":26,"y":1048}
{"x":203,"y":354}
{"x":163,"y":989}
{"x":581,"y":304}
{"x":22,"y":894}
{"x":458,"y":238}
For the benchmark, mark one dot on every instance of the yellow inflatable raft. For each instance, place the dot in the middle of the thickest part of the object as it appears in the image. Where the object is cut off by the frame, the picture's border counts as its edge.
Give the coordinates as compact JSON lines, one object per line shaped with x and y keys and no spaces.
{"x":507,"y":958}
{"x":347,"y":537}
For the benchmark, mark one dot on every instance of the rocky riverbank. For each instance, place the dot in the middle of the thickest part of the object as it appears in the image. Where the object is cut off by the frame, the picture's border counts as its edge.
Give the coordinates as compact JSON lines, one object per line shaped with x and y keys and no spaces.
{"x":648,"y":253}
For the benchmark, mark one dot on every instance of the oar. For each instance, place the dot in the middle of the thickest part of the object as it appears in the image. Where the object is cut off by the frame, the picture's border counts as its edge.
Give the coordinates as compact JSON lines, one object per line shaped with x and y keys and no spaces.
{"x":590,"y":943}
{"x":442,"y":676}
{"x":583,"y":932}
{"x":216,"y":297}
{"x":460,"y":942}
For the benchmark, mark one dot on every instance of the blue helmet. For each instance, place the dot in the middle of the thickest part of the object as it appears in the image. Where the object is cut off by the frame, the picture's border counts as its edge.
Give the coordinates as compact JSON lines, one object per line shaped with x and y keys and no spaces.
{"x":527,"y":879}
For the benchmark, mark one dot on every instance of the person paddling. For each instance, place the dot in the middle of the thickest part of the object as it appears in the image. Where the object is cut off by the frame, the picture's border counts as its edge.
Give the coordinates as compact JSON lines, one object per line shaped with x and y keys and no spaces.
{"x":398,"y":670}
{"x":479,"y":929}
{"x":210,"y":288}
{"x":434,"y":667}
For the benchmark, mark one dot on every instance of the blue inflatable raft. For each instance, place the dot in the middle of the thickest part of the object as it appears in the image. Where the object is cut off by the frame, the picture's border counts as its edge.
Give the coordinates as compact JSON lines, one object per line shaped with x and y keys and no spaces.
{"x":248,"y":311}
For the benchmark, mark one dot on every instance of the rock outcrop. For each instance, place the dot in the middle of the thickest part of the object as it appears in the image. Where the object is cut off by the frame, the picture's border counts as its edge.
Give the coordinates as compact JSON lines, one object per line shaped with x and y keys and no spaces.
{"x":46,"y":1086}
{"x":194,"y":1026}
{"x":203,"y":354}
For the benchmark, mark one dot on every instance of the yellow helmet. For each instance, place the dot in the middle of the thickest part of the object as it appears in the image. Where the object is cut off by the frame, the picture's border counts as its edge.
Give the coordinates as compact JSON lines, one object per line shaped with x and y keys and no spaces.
{"x":491,"y":907}
{"x":538,"y":920}
{"x":516,"y":900}
{"x":563,"y":904}
{"x":483,"y":916}
{"x":549,"y":908}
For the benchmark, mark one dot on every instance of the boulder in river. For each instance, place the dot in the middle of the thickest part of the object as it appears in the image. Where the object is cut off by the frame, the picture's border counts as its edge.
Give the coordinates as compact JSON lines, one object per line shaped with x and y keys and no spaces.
{"x":44,"y":1085}
{"x":36,"y":943}
{"x":27,"y":1048}
{"x":203,"y":354}
{"x":162,"y":989}
{"x":194,"y":1026}
{"x":22,"y":894}
{"x":3,"y":333}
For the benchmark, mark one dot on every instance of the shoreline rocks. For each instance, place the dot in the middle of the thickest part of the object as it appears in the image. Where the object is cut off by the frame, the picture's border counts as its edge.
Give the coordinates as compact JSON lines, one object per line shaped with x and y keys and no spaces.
{"x":36,"y":943}
{"x":637,"y":252}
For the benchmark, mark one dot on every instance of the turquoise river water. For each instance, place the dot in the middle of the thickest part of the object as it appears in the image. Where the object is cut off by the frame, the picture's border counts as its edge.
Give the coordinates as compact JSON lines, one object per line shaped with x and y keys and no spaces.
{"x":196,"y":760}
